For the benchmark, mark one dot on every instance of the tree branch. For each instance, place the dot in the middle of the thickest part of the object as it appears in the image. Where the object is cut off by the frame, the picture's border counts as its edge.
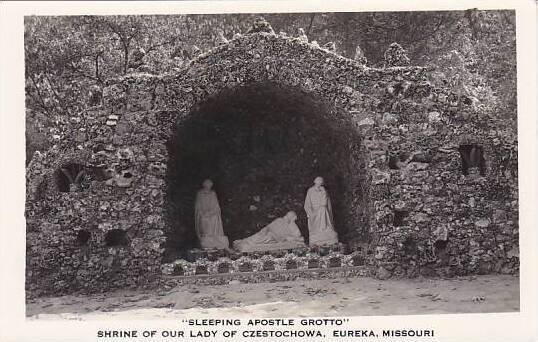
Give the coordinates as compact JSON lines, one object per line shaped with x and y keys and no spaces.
{"x":155,"y":46}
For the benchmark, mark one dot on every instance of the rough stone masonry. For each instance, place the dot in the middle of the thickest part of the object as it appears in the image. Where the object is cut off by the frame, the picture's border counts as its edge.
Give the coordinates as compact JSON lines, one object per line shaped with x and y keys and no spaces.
{"x":427,"y":186}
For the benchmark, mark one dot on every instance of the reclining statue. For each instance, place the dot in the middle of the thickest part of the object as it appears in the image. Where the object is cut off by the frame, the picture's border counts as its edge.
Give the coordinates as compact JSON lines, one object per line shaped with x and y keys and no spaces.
{"x":282,"y":233}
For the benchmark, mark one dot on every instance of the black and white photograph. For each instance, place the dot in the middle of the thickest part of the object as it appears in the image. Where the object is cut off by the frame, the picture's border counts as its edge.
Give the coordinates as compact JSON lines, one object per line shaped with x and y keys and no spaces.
{"x":271,"y":164}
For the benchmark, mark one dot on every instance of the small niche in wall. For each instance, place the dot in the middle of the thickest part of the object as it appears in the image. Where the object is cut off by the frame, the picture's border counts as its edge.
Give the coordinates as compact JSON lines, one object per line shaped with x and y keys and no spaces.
{"x":472,"y":156}
{"x":116,"y":237}
{"x":441,"y":251}
{"x":399,"y":218}
{"x":393,"y":162}
{"x":410,"y":246}
{"x":69,"y":177}
{"x":83,"y":238}
{"x":440,"y":246}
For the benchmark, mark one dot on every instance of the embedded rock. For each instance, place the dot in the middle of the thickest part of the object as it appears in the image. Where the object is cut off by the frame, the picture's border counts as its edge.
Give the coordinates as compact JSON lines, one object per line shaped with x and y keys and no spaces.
{"x":396,"y":56}
{"x":382,"y":274}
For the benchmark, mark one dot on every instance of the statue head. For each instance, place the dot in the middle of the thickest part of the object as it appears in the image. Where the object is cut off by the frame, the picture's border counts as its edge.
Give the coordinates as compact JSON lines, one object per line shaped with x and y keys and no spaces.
{"x":318,"y":181}
{"x":290,"y":216}
{"x":207,"y":184}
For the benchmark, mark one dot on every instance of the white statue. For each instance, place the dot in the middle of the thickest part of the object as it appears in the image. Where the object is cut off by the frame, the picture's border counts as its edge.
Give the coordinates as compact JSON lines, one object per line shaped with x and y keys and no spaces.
{"x":207,"y":220}
{"x":282,"y":233}
{"x":319,"y":212}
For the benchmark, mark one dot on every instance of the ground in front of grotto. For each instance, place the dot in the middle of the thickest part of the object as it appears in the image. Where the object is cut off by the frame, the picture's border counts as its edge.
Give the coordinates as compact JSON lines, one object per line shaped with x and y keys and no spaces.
{"x":300,"y":298}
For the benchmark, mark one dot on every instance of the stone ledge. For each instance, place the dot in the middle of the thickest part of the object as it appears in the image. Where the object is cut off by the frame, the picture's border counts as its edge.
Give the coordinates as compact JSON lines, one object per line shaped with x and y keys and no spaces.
{"x":268,"y":262}
{"x":269,"y":276}
{"x":213,"y":254}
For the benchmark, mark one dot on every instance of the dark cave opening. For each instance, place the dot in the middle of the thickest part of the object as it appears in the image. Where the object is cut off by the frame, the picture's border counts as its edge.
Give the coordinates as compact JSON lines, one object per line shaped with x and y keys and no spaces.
{"x":262,"y":146}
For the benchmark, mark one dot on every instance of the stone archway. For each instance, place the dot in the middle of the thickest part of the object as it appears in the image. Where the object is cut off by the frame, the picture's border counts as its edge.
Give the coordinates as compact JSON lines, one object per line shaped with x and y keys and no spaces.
{"x":262,"y":144}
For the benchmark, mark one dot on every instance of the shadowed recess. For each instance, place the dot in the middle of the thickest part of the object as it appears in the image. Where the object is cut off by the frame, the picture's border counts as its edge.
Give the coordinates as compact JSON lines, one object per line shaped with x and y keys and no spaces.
{"x":262,"y":145}
{"x":116,"y":238}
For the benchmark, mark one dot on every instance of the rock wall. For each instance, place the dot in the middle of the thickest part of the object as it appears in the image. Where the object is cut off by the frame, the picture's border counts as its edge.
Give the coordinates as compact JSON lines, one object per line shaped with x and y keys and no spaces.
{"x":434,"y":217}
{"x":97,"y":211}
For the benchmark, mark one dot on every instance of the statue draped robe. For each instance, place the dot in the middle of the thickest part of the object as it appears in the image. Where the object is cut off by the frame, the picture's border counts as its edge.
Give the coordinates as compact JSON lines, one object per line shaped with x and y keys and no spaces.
{"x":208,"y":223}
{"x":279,"y":234}
{"x":320,"y":219}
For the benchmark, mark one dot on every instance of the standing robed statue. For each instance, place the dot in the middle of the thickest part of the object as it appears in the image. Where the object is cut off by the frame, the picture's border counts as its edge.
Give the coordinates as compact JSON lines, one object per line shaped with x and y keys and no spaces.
{"x":320,"y":217}
{"x":207,"y":219}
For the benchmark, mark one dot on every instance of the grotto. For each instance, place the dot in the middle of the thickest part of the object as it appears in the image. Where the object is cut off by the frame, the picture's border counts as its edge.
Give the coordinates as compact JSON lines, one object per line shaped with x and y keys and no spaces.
{"x":263,"y":145}
{"x":419,"y":186}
